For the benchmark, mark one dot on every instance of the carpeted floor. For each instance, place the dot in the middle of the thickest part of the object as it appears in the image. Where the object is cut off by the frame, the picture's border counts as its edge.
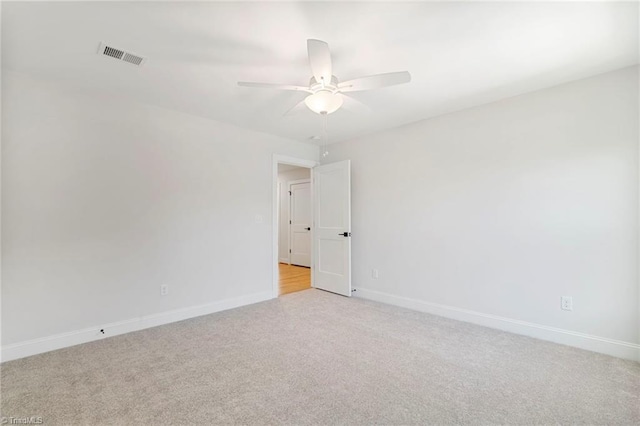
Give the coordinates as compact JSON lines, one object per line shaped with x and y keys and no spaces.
{"x":315,"y":358}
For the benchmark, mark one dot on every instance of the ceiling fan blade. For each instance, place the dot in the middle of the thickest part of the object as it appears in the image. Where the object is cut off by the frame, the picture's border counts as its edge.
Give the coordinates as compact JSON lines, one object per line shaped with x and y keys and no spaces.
{"x":273,"y":86}
{"x":375,"y":81}
{"x":354,"y":105}
{"x":296,"y":109}
{"x":319,"y":60}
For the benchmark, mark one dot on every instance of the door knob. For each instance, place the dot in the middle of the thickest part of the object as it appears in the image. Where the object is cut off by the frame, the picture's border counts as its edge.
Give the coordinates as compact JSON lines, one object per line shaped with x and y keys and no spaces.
{"x":345,"y":234}
{"x":308,"y":229}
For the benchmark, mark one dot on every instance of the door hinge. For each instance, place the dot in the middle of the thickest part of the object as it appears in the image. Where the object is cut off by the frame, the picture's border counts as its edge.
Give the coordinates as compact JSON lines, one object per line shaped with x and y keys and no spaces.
{"x":290,"y":193}
{"x":289,"y":222}
{"x":289,"y":250}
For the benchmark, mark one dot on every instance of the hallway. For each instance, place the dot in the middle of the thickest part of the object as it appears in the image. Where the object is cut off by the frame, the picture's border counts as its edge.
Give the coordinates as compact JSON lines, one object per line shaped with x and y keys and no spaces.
{"x":293,"y":278}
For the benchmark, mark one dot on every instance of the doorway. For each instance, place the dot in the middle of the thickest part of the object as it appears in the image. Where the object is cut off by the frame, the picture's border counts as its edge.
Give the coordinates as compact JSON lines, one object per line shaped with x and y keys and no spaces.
{"x":293,"y":225}
{"x":294,"y":228}
{"x":329,"y":230}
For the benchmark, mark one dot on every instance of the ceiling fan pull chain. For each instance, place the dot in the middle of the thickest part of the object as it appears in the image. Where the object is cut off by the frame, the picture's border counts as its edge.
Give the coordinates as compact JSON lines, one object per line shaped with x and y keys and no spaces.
{"x":325,"y":135}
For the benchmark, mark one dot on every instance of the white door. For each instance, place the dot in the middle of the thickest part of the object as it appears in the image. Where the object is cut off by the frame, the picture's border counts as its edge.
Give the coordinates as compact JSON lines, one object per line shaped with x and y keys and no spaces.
{"x":332,"y":236}
{"x":300,"y":223}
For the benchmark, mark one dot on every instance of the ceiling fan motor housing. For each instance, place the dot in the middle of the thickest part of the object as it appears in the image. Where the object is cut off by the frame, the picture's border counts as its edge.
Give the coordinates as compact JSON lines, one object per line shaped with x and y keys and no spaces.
{"x":331,"y":86}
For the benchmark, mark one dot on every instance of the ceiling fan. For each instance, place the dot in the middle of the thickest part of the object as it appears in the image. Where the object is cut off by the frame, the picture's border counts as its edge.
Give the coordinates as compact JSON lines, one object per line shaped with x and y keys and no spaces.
{"x":325,"y":90}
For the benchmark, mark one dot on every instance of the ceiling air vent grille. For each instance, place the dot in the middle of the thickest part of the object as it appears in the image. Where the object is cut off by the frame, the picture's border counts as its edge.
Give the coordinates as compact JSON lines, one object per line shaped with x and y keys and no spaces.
{"x":133,"y":59}
{"x":120,"y":54}
{"x":114,"y":53}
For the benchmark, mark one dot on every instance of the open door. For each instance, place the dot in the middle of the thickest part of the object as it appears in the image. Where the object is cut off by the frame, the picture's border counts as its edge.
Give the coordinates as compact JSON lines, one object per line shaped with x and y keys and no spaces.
{"x":332,"y":236}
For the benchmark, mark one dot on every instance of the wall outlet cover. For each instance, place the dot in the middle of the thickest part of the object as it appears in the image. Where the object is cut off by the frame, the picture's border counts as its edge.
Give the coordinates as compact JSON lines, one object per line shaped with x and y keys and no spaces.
{"x":566,"y":303}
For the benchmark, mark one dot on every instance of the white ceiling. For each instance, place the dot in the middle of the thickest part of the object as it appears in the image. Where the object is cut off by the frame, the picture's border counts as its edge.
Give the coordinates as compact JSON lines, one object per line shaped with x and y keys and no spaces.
{"x":459,"y":54}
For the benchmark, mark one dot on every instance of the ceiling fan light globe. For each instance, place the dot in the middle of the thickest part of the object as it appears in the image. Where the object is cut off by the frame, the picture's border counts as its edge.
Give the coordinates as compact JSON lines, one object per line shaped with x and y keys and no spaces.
{"x":324,"y":102}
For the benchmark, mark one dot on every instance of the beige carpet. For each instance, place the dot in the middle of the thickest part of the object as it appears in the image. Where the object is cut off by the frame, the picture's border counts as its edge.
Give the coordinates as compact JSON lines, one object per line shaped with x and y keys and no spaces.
{"x":316,"y":358}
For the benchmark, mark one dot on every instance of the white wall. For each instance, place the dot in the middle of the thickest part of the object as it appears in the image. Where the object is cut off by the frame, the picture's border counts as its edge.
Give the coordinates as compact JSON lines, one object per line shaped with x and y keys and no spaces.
{"x":503,"y":208}
{"x":284,"y":178}
{"x":104,"y":200}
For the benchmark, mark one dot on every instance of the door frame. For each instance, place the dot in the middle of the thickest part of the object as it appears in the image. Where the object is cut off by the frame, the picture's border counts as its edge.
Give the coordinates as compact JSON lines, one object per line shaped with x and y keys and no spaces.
{"x":292,"y":161}
{"x":295,"y":182}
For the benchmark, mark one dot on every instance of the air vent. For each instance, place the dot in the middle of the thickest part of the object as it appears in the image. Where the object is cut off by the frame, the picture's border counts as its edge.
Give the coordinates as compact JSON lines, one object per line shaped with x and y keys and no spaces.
{"x":114,"y":53}
{"x":121,"y":55}
{"x":133,"y":59}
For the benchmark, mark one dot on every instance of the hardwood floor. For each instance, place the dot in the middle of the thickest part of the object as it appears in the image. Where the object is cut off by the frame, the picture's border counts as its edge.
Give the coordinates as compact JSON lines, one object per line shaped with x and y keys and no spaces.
{"x":293,"y":278}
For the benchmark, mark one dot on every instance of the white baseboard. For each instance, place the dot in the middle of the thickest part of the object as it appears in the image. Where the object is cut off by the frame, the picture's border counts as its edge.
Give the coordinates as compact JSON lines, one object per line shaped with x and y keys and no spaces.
{"x":589,"y":342}
{"x":63,"y":340}
{"x":283,"y":260}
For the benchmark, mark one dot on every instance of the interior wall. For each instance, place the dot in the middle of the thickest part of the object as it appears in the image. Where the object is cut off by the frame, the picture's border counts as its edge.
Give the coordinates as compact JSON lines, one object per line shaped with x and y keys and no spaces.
{"x":284,"y":177}
{"x":105,"y":200}
{"x":504,"y":208}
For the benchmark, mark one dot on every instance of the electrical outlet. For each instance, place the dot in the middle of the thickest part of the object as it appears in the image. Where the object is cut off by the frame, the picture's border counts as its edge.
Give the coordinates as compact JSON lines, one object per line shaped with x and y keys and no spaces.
{"x":374,"y":274}
{"x":566,"y":303}
{"x":164,"y":290}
